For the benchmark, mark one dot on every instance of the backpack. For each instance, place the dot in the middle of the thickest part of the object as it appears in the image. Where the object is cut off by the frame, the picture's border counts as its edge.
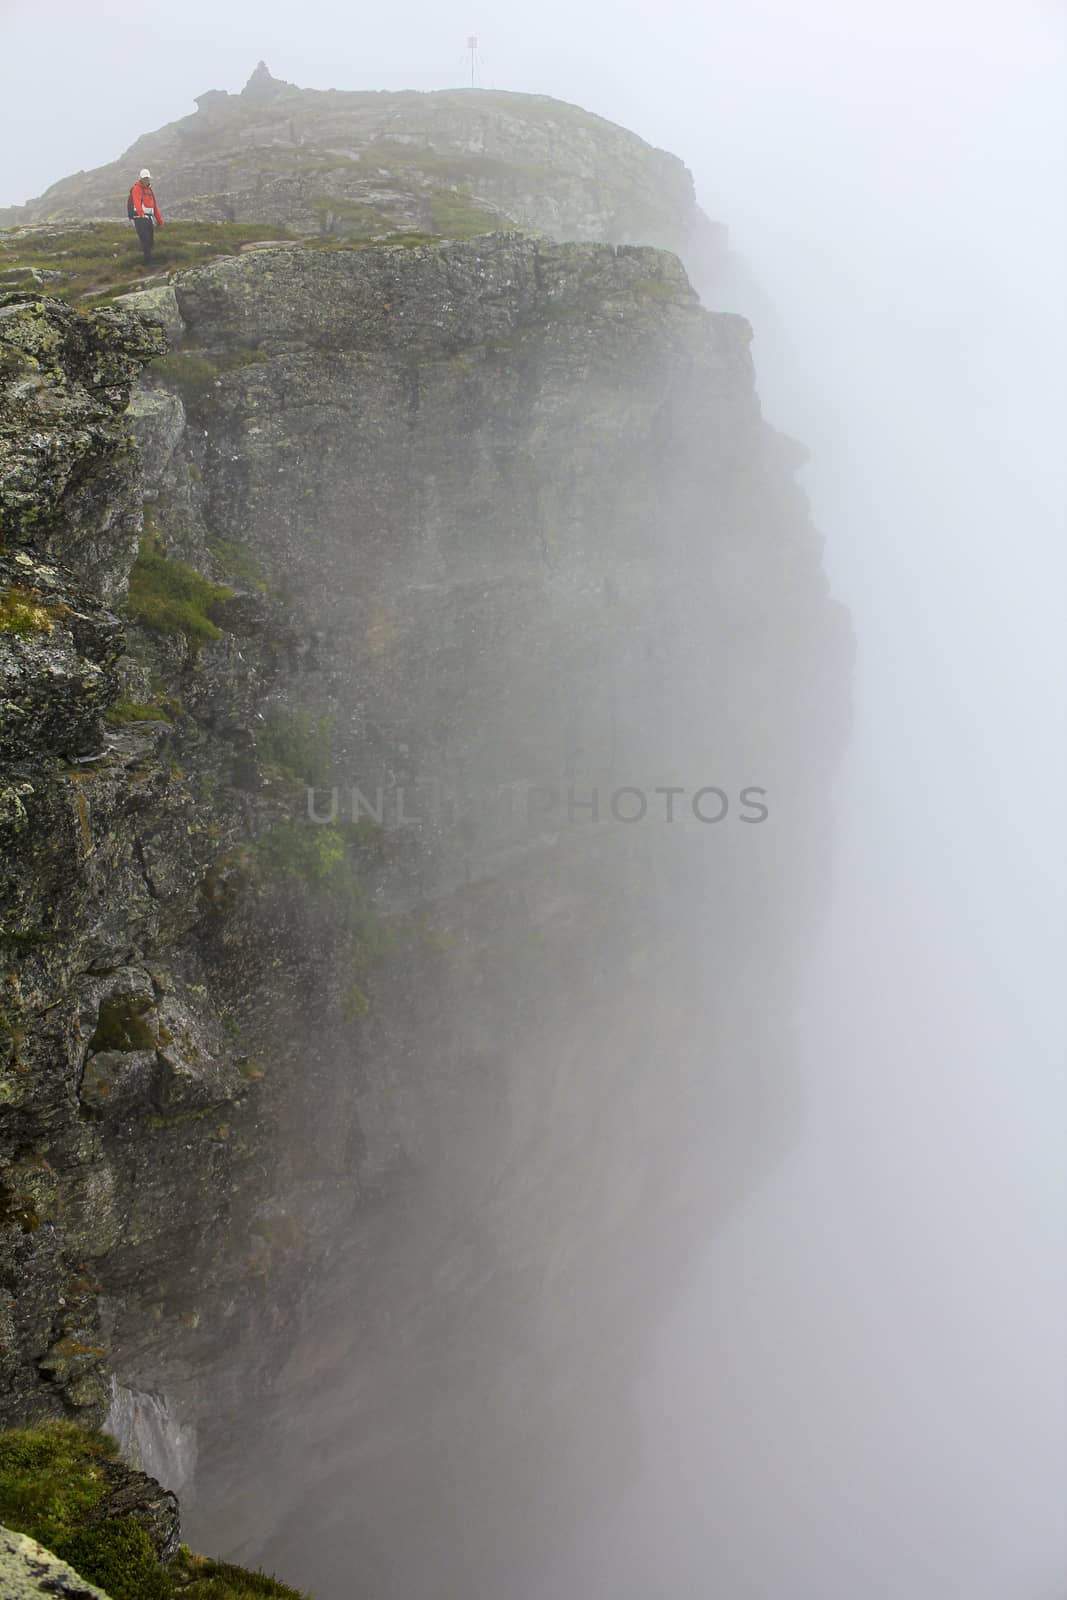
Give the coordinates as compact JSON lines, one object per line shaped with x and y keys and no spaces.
{"x":130,"y":212}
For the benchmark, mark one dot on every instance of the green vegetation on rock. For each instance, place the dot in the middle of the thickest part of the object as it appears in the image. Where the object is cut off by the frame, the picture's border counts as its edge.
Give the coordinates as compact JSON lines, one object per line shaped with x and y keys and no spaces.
{"x":355,"y":215}
{"x":312,"y":855}
{"x":171,"y":596}
{"x":656,"y":289}
{"x":202,"y":1579}
{"x":126,"y":711}
{"x":238,"y":561}
{"x":90,"y":262}
{"x":118,"y":1555}
{"x":122,"y":1025}
{"x":455,"y":166}
{"x":54,"y":1480}
{"x":296,"y":745}
{"x":193,"y":375}
{"x":51,"y":1477}
{"x":23,"y":612}
{"x":455,"y":215}
{"x":325,"y":864}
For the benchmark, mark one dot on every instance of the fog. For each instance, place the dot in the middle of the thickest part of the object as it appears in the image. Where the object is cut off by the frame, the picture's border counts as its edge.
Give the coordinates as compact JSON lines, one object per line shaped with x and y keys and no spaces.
{"x":861,"y":1394}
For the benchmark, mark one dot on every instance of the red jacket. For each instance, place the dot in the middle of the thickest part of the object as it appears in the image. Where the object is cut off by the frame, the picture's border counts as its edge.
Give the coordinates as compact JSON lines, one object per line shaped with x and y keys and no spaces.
{"x":144,"y":201}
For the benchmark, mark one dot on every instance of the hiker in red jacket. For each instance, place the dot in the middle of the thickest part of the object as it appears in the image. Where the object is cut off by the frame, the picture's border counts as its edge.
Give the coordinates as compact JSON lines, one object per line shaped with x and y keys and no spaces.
{"x":141,"y":207}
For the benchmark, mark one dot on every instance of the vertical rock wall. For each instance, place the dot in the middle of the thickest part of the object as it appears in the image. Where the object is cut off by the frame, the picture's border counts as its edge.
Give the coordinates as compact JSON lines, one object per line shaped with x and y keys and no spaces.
{"x":386,"y":1143}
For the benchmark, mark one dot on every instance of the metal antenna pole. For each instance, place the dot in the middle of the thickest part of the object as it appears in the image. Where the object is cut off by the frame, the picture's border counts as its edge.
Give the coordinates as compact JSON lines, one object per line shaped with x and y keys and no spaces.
{"x":472,"y":46}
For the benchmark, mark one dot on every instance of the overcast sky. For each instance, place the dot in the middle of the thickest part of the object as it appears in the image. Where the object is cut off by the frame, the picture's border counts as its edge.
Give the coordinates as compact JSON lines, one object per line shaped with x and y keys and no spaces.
{"x":894,"y":171}
{"x":752,"y":72}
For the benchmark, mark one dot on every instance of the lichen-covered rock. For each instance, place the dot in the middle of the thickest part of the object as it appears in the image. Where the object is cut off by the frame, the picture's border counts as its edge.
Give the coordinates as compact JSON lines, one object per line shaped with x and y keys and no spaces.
{"x":155,"y":304}
{"x":58,"y":652}
{"x":157,"y":418}
{"x":67,"y":478}
{"x":30,"y":1572}
{"x":441,"y":299}
{"x":101,"y":861}
{"x":150,"y":1047}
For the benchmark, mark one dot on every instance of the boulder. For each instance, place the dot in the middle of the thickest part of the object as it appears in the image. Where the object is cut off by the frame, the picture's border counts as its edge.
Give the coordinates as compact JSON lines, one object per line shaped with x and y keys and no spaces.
{"x":157,"y":304}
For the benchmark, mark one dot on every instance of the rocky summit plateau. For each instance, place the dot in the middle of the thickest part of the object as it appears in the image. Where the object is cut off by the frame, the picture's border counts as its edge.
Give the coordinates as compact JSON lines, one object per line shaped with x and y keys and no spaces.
{"x":364,"y":165}
{"x":347,"y":1161}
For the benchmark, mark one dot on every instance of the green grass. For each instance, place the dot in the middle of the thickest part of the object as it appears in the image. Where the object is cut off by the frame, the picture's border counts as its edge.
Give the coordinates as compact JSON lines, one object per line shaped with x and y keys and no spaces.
{"x":455,"y":215}
{"x":171,"y":596}
{"x":162,"y":708}
{"x":352,"y":215}
{"x":308,"y":854}
{"x":51,"y":1477}
{"x":118,"y":1556}
{"x":237,"y":561}
{"x":191,"y":375}
{"x":98,"y":260}
{"x":324,"y":864}
{"x":23,"y":612}
{"x":296,"y":745}
{"x":194,"y":375}
{"x":202,"y":1579}
{"x":656,"y":289}
{"x":52,"y":1481}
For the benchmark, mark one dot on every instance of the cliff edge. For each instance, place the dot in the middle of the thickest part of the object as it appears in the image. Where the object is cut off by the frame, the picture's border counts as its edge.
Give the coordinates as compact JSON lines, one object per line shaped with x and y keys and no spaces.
{"x":361,"y":165}
{"x":420,"y":689}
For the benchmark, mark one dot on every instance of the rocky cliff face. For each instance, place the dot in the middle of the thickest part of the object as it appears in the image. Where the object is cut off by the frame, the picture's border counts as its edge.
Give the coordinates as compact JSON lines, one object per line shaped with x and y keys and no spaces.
{"x":379,"y":1130}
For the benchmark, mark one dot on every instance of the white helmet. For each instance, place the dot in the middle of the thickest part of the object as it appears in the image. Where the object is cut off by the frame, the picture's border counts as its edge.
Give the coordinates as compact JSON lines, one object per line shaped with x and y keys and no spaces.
{"x":145,"y":172}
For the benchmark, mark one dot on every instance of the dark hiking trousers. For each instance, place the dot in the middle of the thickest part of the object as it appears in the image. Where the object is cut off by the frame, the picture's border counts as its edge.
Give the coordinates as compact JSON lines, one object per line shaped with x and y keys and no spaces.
{"x":145,"y":230}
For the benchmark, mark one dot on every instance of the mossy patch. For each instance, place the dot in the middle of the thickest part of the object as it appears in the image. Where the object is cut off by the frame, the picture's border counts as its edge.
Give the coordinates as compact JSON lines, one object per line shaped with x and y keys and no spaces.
{"x":90,"y":263}
{"x":53,"y":1482}
{"x":324,"y":865}
{"x":454,"y":214}
{"x":656,"y":289}
{"x":408,"y":241}
{"x":17,"y":1208}
{"x":356,"y":1004}
{"x":171,"y":596}
{"x":202,"y":1579}
{"x":51,"y":1477}
{"x":237,"y":561}
{"x":193,"y":375}
{"x":165,"y":708}
{"x":118,"y":1556}
{"x":295,"y":745}
{"x":23,"y":612}
{"x":123,"y":1023}
{"x":312,"y":855}
{"x":339,"y":214}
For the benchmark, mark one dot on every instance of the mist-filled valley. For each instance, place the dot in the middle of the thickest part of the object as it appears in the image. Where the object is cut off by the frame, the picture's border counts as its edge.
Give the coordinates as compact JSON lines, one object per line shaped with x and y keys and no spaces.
{"x":532,"y":897}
